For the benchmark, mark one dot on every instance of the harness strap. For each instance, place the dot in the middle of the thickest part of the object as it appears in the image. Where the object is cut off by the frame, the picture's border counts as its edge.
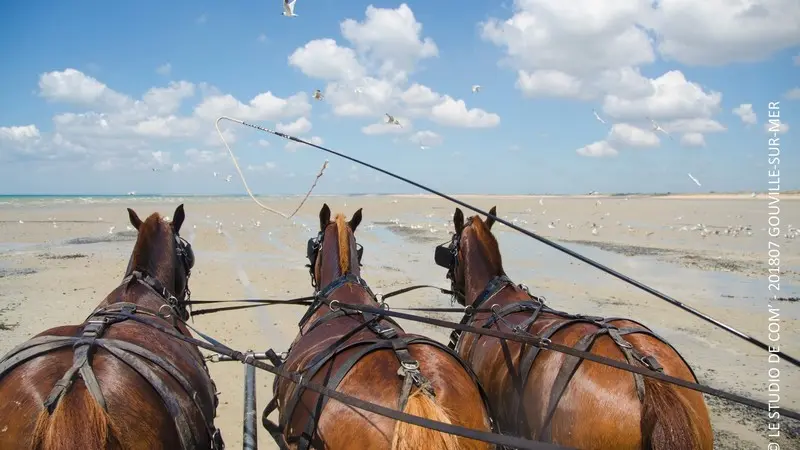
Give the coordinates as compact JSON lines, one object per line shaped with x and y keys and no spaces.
{"x":493,"y":288}
{"x":563,"y":378}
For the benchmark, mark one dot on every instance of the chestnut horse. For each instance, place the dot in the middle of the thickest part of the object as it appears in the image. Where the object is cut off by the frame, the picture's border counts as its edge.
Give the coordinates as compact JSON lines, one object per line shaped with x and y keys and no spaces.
{"x":113,"y":382}
{"x":562,"y":399}
{"x":370,"y":358}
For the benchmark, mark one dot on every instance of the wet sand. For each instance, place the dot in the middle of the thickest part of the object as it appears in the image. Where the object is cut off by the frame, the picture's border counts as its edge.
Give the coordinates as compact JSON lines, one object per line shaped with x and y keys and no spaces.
{"x":707,"y":252}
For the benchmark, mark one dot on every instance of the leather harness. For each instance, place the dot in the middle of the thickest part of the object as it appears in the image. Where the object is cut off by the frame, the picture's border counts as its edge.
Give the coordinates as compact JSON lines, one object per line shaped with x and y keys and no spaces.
{"x":385,"y":337}
{"x":138,"y":358}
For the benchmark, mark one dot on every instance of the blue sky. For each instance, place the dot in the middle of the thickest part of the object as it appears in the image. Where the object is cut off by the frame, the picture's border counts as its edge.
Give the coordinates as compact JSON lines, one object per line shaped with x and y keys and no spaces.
{"x":77,"y":117}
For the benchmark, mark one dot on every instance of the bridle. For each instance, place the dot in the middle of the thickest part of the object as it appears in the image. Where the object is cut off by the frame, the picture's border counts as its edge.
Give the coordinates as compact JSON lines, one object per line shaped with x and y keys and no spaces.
{"x":446,"y":255}
{"x":314,"y":248}
{"x":176,"y":303}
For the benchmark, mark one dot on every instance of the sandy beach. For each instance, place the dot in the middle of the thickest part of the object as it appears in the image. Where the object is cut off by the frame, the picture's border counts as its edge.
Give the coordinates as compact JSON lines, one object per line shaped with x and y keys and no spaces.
{"x":59,"y":258}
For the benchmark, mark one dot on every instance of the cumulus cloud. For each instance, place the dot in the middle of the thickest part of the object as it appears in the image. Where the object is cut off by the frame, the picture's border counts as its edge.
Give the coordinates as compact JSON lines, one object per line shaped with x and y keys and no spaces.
{"x":793,"y":94}
{"x":693,"y":140}
{"x":599,"y":149}
{"x":298,"y":127}
{"x":368,"y":74}
{"x":111,"y":129}
{"x":746,"y":113}
{"x":626,"y":135}
{"x":20,"y":134}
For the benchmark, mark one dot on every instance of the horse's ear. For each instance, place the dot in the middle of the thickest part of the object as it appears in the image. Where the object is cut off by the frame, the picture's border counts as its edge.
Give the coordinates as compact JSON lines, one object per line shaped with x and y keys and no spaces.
{"x":134,"y":218}
{"x":490,"y":220}
{"x":178,"y":218}
{"x":353,"y":223}
{"x":458,"y":220}
{"x":324,"y":217}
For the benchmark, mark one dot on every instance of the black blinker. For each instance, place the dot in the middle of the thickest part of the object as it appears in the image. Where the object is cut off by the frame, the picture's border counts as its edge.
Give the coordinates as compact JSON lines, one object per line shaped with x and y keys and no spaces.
{"x":311,"y":250}
{"x":360,"y":252}
{"x":444,"y":257}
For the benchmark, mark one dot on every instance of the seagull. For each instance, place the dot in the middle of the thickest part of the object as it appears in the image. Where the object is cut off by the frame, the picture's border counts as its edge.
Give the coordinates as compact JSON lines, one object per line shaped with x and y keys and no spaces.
{"x":392,"y":121}
{"x":228,"y":178}
{"x":598,"y":117}
{"x":657,"y":127}
{"x":695,"y":180}
{"x":358,"y":90}
{"x":215,"y":174}
{"x":423,"y":147}
{"x":318,"y":95}
{"x":541,"y":201}
{"x":476,"y":88}
{"x":111,"y":230}
{"x":288,"y":8}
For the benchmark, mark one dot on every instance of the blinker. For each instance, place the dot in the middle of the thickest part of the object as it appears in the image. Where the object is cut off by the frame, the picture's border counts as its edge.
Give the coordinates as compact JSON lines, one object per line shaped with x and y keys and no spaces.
{"x":444,"y":257}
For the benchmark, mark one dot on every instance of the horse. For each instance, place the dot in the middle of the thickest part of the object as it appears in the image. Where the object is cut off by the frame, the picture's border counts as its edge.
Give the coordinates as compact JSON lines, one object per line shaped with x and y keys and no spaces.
{"x":115,"y":382}
{"x":552,"y":397}
{"x":369,"y":357}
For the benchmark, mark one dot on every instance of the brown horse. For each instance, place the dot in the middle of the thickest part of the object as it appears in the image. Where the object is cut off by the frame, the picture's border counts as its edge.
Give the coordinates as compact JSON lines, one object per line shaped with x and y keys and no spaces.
{"x":114,"y":382}
{"x":371,"y":358}
{"x":550,"y":396}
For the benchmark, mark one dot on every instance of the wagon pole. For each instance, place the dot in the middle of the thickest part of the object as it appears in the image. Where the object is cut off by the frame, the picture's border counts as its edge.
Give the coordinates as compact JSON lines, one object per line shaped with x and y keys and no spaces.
{"x":249,"y":428}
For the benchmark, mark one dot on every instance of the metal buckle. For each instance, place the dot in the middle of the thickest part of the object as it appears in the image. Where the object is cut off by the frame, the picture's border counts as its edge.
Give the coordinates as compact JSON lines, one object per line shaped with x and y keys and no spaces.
{"x":410,"y":365}
{"x":332,"y":307}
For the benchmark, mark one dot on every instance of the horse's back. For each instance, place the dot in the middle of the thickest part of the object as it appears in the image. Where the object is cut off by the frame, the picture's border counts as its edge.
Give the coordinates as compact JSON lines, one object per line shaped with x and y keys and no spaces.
{"x":134,"y":408}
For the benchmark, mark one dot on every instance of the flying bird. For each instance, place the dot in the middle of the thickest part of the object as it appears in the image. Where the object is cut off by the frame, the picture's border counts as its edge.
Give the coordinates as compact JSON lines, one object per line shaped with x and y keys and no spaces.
{"x":228,"y":178}
{"x":358,"y":90}
{"x":288,"y":8}
{"x":318,"y":95}
{"x":476,"y":88}
{"x":392,"y":121}
{"x":695,"y":180}
{"x":596,"y":116}
{"x":657,"y":127}
{"x":423,"y":147}
{"x":215,"y":174}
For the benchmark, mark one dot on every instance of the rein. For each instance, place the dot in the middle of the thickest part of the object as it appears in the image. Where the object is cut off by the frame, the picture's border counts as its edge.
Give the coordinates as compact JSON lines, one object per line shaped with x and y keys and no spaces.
{"x":792,"y":360}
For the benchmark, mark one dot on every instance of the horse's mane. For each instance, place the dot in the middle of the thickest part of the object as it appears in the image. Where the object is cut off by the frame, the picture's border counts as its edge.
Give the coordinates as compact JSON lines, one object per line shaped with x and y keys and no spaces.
{"x":491,"y":248}
{"x":344,"y":244}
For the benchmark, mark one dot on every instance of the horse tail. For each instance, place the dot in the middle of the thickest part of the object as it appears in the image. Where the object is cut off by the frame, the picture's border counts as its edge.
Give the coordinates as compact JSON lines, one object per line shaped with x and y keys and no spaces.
{"x":412,"y":437}
{"x":77,"y":421}
{"x":668,"y":421}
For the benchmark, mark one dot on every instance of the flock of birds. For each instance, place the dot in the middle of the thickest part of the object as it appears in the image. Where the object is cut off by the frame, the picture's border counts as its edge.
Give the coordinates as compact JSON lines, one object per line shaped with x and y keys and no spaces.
{"x":656,"y":129}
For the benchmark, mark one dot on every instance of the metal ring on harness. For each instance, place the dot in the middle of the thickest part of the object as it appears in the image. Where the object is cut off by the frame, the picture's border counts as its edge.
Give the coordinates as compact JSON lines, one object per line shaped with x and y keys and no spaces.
{"x":169,"y":307}
{"x":492,"y":308}
{"x":332,"y":307}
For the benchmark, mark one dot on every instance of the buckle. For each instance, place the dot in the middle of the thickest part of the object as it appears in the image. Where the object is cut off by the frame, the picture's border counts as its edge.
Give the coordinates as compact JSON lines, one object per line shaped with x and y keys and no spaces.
{"x":410,"y":365}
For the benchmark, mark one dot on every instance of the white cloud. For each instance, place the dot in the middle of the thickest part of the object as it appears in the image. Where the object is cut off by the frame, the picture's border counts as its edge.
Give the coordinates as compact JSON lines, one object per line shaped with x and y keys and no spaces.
{"x":598,"y":149}
{"x":426,"y":138}
{"x":717,"y":32}
{"x":167,"y":100}
{"x":73,"y":86}
{"x":793,"y":94}
{"x":391,"y":37}
{"x":298,"y":127}
{"x":263,"y":142}
{"x":165,"y":69}
{"x":673,"y":97}
{"x":776,"y":127}
{"x":265,"y":106}
{"x":325,"y":60}
{"x":746,"y":113}
{"x":627,"y":135}
{"x":693,"y":140}
{"x":269,"y":165}
{"x":20,"y":134}
{"x":549,"y":83}
{"x":371,"y":77}
{"x":454,"y":113}
{"x":176,"y":167}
